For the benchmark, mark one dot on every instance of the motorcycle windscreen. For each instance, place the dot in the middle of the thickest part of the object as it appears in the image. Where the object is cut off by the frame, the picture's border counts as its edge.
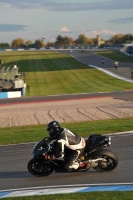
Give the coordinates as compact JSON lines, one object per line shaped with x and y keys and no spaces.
{"x":40,"y":148}
{"x":40,"y":151}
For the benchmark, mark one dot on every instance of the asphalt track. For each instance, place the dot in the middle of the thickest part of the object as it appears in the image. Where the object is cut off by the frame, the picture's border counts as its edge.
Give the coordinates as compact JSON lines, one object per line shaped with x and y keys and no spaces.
{"x":14,"y":174}
{"x":91,"y":58}
{"x":14,"y":158}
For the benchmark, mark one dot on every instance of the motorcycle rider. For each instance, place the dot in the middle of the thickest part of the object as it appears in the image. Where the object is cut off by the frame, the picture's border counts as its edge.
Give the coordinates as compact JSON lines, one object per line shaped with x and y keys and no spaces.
{"x":66,"y":138}
{"x":115,"y":64}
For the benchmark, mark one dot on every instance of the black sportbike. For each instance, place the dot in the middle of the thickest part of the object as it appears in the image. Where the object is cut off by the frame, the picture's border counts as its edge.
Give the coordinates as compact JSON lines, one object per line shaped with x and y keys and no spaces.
{"x":94,"y":156}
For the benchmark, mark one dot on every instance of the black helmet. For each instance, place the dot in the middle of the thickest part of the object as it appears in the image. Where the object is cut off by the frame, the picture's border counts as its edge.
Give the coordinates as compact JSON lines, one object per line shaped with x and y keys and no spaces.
{"x":53,"y":128}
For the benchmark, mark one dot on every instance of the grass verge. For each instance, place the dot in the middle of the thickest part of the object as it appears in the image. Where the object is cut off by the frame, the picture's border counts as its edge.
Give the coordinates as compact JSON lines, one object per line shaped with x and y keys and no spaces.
{"x":81,"y":196}
{"x":33,"y":133}
{"x":51,"y":73}
{"x":116,"y":55}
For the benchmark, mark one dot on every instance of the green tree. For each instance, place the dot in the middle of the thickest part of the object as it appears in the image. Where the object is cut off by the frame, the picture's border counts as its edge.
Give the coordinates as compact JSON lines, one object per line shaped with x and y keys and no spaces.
{"x":28,"y":42}
{"x":82,"y":40}
{"x":94,"y":41}
{"x":68,"y":41}
{"x":39,"y":44}
{"x":50,"y":44}
{"x":59,"y":40}
{"x":64,"y":41}
{"x":128,"y":38}
{"x":117,"y":38}
{"x":17,"y":43}
{"x":4,"y":45}
{"x":90,"y":42}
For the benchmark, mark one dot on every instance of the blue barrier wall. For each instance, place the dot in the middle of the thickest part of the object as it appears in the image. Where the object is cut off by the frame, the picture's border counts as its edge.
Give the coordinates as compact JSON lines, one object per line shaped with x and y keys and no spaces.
{"x":3,"y":95}
{"x":13,"y":94}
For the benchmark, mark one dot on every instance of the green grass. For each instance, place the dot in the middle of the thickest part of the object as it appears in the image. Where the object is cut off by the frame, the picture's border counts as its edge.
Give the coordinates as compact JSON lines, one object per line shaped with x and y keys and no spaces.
{"x":81,"y":196}
{"x":51,"y":73}
{"x":33,"y":133}
{"x":116,"y":55}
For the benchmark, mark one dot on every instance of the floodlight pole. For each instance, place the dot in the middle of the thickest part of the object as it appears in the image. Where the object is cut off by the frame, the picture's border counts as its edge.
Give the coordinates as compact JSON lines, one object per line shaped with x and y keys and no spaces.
{"x":43,"y":39}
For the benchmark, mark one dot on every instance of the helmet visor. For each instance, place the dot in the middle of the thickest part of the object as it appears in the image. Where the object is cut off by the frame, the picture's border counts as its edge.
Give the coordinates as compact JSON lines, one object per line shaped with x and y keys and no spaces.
{"x":51,"y":132}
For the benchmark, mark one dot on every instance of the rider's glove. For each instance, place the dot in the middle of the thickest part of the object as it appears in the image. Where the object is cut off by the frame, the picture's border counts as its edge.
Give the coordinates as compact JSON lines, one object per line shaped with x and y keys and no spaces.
{"x":49,"y":157}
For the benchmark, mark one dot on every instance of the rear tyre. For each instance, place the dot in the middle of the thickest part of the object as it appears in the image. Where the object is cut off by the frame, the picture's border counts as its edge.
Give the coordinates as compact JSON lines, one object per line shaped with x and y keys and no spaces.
{"x":39,"y":168}
{"x":110,"y":163}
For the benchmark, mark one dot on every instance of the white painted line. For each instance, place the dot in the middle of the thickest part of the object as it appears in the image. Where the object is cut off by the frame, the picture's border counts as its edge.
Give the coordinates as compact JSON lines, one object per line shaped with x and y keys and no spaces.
{"x":111,"y":74}
{"x":107,"y":71}
{"x":60,"y":189}
{"x":67,"y":186}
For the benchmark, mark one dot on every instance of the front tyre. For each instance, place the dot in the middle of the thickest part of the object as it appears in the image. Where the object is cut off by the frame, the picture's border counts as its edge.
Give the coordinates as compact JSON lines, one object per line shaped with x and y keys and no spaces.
{"x":110,"y":160}
{"x":39,"y":168}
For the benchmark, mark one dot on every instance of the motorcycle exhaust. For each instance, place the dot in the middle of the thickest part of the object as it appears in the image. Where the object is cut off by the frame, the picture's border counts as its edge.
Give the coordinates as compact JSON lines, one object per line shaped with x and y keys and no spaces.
{"x":95,"y":162}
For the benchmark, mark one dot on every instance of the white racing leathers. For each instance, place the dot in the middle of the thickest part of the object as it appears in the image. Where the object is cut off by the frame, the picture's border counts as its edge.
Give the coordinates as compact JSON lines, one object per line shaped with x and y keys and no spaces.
{"x":72,"y":141}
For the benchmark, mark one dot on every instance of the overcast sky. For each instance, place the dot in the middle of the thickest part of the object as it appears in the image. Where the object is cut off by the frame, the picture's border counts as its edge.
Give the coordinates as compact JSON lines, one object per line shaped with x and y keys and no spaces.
{"x":34,"y":19}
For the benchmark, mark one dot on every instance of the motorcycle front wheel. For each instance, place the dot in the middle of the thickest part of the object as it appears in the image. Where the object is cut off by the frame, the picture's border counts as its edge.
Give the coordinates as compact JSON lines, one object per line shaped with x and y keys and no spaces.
{"x":110,"y":160}
{"x":39,"y":168}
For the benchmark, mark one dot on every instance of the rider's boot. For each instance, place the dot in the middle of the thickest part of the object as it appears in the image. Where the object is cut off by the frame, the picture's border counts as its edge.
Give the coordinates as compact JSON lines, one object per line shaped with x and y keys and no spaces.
{"x":85,"y":164}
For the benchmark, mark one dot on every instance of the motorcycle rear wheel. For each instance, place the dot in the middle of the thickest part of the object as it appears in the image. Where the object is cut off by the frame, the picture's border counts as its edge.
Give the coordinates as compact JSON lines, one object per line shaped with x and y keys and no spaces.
{"x":39,"y":168}
{"x":110,"y":163}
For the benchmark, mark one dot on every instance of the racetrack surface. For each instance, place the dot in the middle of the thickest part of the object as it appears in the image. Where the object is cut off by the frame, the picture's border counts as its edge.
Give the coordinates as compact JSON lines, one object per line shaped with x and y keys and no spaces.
{"x":14,"y":174}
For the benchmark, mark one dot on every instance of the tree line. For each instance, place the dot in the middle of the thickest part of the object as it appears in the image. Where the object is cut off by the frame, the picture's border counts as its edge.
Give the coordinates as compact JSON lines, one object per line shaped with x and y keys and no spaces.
{"x":64,"y":41}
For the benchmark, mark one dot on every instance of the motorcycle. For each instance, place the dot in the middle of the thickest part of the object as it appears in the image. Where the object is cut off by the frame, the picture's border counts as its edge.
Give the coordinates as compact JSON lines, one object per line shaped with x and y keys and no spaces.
{"x":94,"y":156}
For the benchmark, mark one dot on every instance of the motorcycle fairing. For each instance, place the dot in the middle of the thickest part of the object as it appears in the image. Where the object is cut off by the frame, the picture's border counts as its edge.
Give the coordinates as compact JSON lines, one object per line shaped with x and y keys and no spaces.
{"x":97,"y":141}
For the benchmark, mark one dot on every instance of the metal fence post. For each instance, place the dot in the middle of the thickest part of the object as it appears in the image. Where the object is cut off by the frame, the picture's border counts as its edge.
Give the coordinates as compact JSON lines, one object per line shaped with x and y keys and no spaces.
{"x":3,"y":72}
{"x":7,"y":74}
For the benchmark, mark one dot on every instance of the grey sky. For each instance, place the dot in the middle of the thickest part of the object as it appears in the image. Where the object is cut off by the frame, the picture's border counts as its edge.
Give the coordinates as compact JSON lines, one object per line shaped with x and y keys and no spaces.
{"x":71,"y":6}
{"x":122,"y":20}
{"x":11,"y":27}
{"x":34,"y":19}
